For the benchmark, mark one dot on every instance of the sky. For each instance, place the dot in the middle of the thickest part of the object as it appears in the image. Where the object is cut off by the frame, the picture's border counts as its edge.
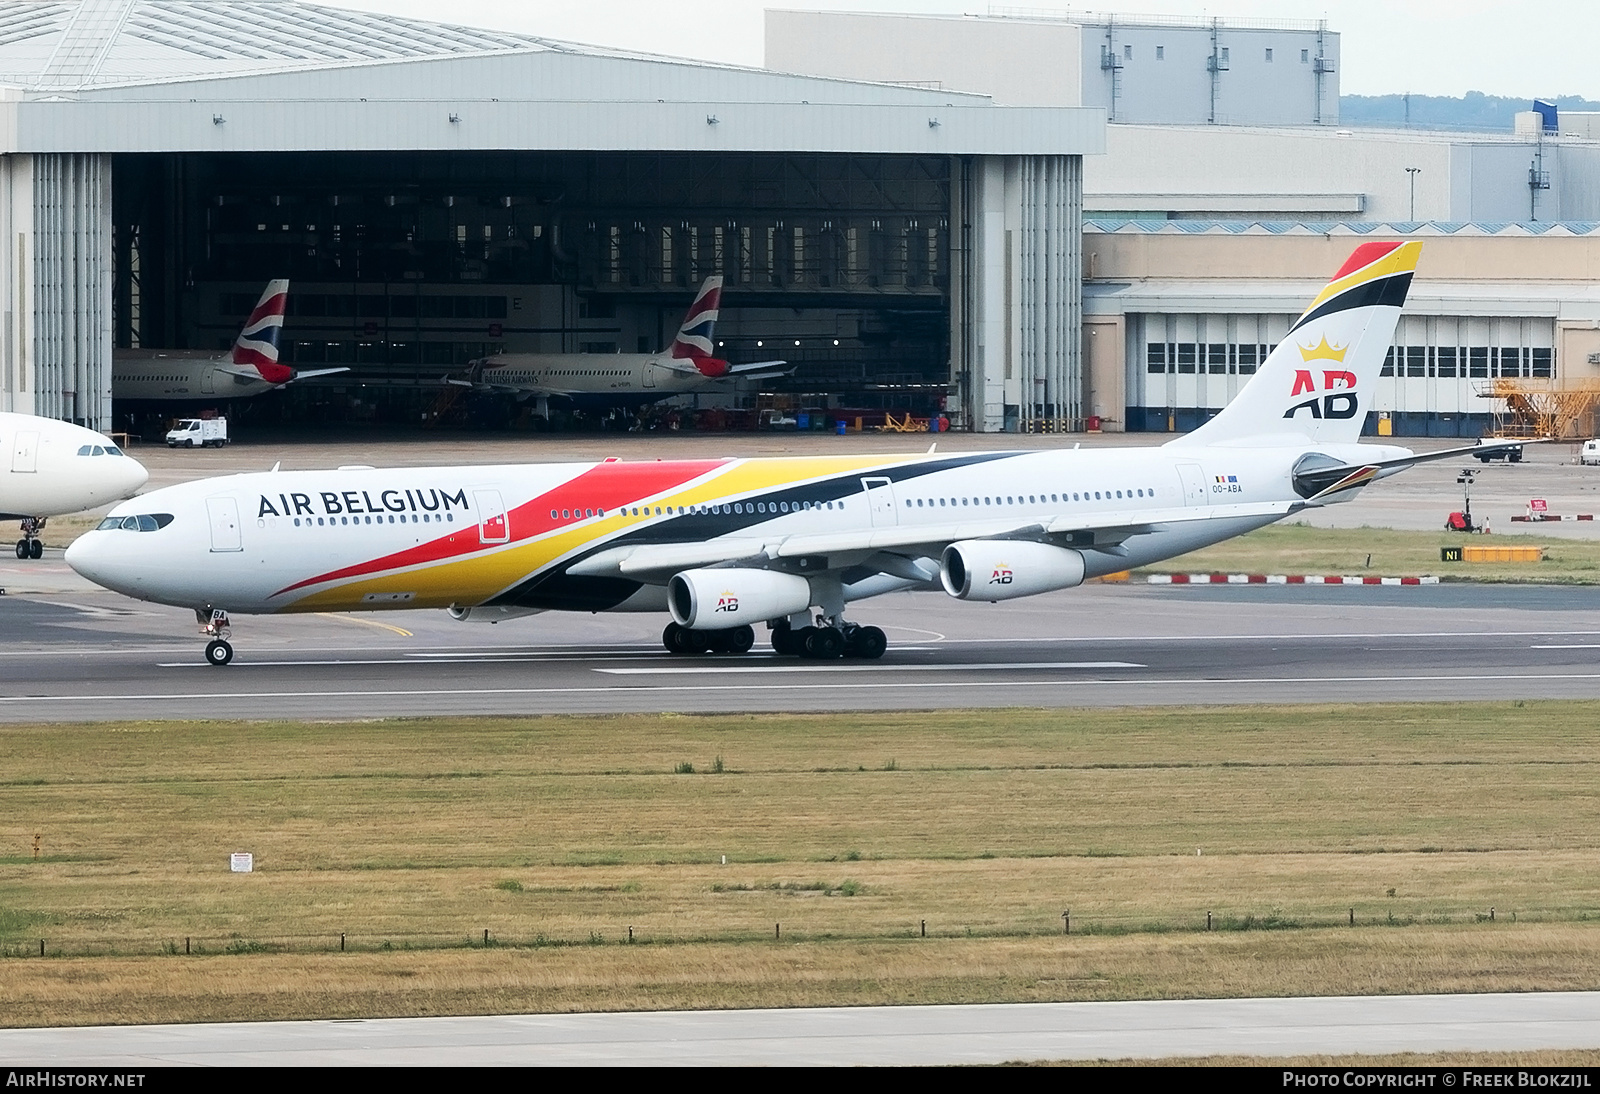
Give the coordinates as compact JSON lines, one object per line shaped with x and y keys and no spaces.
{"x":1426,"y":47}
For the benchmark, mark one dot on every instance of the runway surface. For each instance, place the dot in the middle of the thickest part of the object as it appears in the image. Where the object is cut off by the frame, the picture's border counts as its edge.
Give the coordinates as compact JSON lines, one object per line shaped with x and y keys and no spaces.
{"x":852,"y":1035}
{"x":77,"y":653}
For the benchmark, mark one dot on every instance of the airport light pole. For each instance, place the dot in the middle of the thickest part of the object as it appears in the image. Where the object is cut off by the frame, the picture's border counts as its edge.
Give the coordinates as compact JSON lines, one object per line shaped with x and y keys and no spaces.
{"x":1413,"y":172}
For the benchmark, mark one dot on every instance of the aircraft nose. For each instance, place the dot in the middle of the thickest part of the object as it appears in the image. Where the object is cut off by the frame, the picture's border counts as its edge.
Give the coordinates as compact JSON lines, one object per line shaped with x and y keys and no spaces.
{"x":131,"y":475}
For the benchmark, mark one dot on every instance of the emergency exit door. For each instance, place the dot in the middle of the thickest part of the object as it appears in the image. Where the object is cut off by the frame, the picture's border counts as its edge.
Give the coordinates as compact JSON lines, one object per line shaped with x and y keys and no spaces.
{"x":224,"y":514}
{"x":493,"y":526}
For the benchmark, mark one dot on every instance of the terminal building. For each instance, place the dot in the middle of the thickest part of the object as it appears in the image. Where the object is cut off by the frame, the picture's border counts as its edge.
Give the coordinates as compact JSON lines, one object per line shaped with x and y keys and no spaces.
{"x":436,"y":193}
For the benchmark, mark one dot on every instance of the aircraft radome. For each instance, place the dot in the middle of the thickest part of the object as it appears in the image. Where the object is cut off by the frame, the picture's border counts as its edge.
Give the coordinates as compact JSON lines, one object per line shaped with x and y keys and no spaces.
{"x":52,"y":468}
{"x":722,"y":544}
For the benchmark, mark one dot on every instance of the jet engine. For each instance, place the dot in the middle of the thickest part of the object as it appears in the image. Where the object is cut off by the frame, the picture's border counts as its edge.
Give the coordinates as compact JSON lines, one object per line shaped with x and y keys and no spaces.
{"x":715,"y":600}
{"x":998,"y":569}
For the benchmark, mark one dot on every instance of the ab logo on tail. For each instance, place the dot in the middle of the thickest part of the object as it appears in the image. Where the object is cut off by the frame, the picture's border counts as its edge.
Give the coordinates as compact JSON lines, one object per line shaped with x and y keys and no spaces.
{"x":1338,"y":401}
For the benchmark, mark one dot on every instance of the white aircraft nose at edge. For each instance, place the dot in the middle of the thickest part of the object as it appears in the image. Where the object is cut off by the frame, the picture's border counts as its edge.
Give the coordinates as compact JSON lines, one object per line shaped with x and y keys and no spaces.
{"x":723,"y":543}
{"x":51,"y":467}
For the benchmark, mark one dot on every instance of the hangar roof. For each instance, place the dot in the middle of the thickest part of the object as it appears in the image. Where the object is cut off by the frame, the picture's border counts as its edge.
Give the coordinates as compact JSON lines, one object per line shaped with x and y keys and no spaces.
{"x":51,"y":44}
{"x":280,"y":75}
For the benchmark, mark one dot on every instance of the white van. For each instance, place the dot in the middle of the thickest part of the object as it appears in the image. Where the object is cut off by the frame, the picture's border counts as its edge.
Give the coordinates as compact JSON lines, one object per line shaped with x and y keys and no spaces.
{"x":199,"y":433}
{"x":1590,"y":454}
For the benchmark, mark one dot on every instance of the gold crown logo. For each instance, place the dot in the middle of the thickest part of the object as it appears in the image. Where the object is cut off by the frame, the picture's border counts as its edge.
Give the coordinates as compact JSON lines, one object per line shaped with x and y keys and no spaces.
{"x":1322,"y":351}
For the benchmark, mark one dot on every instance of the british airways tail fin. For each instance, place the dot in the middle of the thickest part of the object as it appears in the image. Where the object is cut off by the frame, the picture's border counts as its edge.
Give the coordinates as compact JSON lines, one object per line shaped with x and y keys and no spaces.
{"x":1319,"y":381}
{"x":694,"y":342}
{"x":257,"y":344}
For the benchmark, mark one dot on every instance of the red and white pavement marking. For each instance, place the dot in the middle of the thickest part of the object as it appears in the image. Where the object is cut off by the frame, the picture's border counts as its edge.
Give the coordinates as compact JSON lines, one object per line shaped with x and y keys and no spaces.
{"x":1284,"y":579}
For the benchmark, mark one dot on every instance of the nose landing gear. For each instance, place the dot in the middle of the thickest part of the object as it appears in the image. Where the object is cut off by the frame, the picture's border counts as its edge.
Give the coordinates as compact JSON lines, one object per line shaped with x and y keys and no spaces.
{"x":30,"y":546}
{"x":214,"y":622}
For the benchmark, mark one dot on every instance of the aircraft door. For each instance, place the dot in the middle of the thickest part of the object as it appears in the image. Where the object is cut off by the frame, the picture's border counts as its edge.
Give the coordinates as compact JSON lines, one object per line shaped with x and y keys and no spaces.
{"x":25,"y":454}
{"x":493,"y":524}
{"x":880,"y":502}
{"x":208,"y":380}
{"x":1194,"y":484}
{"x":649,"y":371}
{"x":224,"y":513}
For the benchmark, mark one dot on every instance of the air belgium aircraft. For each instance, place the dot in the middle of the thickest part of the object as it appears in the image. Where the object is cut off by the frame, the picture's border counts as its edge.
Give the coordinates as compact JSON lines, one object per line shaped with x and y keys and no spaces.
{"x":722,"y":544}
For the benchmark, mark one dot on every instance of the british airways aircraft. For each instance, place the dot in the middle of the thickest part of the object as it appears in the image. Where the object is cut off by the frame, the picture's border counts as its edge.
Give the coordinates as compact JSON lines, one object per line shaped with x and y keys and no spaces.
{"x":251,"y":367}
{"x":722,"y":544}
{"x":689,"y":365}
{"x":52,"y":467}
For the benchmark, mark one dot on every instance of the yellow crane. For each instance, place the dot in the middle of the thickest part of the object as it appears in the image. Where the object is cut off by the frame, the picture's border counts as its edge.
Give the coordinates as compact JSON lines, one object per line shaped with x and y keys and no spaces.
{"x":1560,"y":409}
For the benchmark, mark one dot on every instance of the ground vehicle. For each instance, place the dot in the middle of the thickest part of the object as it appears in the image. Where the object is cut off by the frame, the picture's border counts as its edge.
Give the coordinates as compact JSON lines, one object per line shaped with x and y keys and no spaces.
{"x":1590,"y":454}
{"x":198,"y":433}
{"x":1511,"y":454}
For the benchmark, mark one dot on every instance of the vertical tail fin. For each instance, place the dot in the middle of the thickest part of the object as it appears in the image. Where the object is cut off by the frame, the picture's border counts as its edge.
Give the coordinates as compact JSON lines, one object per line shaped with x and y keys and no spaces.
{"x":257,"y":344}
{"x":694,"y":342}
{"x":1319,"y":381}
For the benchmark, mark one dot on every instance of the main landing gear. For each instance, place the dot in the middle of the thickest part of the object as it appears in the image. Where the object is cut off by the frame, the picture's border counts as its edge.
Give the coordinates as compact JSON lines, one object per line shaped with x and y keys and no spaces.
{"x":30,"y":546}
{"x":826,"y":641}
{"x":823,"y":642}
{"x":679,"y":639}
{"x":214,"y":623}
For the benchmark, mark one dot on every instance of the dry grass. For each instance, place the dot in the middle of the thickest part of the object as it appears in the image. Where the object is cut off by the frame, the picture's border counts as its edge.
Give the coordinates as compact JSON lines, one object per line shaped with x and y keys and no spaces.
{"x":113,"y":990}
{"x":559,"y":834}
{"x":1301,"y":549}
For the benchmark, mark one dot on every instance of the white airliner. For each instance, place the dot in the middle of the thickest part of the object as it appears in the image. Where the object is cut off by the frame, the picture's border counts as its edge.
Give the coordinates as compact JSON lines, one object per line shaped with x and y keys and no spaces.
{"x":689,"y":365}
{"x":250,"y":368}
{"x":55,"y":467}
{"x":724,"y":543}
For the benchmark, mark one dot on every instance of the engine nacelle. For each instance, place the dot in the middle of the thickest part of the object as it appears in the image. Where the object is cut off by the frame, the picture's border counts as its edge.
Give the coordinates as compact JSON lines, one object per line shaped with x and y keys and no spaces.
{"x":716,"y":600}
{"x":999,"y":569}
{"x":492,"y":614}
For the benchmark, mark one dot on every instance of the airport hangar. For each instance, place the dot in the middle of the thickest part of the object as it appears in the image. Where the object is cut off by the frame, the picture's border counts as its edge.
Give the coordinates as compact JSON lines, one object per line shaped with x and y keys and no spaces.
{"x":1229,"y":192}
{"x":437,"y":193}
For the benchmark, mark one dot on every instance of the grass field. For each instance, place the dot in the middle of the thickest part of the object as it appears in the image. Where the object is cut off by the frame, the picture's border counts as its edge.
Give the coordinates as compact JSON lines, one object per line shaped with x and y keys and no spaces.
{"x":1291,"y":548}
{"x":845,"y":837}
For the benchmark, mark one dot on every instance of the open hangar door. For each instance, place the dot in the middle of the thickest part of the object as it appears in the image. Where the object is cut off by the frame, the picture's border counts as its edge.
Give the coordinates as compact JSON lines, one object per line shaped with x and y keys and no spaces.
{"x":406,"y":266}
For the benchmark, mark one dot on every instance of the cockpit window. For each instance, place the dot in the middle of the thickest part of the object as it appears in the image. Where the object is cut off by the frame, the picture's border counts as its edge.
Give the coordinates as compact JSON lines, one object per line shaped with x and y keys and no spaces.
{"x":143,"y":522}
{"x":99,"y":450}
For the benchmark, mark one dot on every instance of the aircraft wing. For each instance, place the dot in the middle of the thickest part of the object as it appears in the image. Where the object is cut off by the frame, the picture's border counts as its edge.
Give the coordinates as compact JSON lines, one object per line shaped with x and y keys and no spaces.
{"x":520,"y":391}
{"x":308,"y":373}
{"x":655,"y":563}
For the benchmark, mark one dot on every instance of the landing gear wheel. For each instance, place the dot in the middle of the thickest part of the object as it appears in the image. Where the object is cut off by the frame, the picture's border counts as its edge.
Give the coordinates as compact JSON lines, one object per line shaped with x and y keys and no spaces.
{"x":797,"y":641}
{"x":737,"y":640}
{"x":823,"y":644}
{"x":867,"y":643}
{"x":675,"y":638}
{"x":36,"y":549}
{"x":783,"y":643}
{"x":219,"y":653}
{"x":23,"y":550}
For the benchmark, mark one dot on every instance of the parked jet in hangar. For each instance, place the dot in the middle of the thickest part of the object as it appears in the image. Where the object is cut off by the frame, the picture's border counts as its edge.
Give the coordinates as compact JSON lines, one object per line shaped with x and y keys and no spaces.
{"x":723,"y":543}
{"x":52,"y":468}
{"x":250,"y":368}
{"x":689,"y":365}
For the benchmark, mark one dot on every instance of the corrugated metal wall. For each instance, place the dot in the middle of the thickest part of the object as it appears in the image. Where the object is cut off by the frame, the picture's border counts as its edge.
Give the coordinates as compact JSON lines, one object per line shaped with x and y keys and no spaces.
{"x":72,"y":287}
{"x":1050,"y":290}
